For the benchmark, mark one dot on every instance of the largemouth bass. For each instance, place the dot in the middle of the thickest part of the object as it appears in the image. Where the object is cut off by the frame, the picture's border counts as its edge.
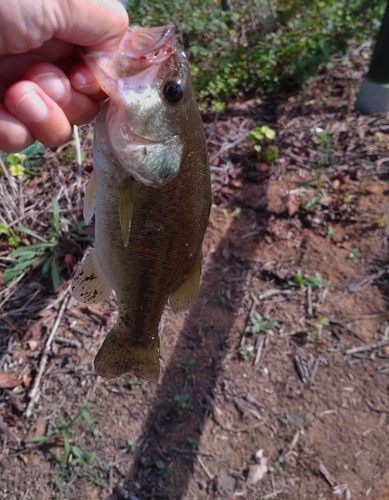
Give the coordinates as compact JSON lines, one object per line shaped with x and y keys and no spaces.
{"x":150,"y":193}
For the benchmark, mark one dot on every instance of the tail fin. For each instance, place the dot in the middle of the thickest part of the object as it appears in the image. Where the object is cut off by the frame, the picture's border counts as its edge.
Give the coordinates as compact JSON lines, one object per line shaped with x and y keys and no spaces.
{"x":118,"y":356}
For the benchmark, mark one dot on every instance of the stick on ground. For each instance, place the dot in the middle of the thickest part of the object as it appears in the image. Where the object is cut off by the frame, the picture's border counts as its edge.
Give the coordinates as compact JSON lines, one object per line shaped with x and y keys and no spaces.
{"x":34,"y":393}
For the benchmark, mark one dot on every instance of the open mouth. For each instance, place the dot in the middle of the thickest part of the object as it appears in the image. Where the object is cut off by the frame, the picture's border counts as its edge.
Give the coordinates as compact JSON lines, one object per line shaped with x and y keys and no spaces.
{"x":148,"y":44}
{"x":140,"y":48}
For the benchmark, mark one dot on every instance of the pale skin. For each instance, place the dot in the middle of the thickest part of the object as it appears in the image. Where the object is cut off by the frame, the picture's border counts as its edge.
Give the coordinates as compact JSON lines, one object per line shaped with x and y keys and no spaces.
{"x":45,"y":88}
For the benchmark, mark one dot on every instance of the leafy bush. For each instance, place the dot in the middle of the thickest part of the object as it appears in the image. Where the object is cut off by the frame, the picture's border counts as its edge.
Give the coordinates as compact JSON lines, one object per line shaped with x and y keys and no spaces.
{"x":259,"y":47}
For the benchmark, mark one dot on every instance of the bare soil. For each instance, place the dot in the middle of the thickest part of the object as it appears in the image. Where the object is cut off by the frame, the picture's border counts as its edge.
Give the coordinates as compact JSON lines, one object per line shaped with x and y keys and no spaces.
{"x":310,"y":391}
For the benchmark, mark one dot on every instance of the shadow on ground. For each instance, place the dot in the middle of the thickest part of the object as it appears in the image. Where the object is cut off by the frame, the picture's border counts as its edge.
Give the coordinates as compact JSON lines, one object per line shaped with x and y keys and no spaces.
{"x":171,"y":432}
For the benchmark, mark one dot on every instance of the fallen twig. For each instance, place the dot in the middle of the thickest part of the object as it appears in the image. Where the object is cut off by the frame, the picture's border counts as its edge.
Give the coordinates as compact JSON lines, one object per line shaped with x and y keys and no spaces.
{"x":204,"y":467}
{"x":372,"y":407}
{"x":259,"y":346}
{"x":327,"y":474}
{"x":343,"y":325}
{"x":194,"y":452}
{"x":358,"y":287}
{"x":34,"y":393}
{"x":309,"y":299}
{"x":368,"y":347}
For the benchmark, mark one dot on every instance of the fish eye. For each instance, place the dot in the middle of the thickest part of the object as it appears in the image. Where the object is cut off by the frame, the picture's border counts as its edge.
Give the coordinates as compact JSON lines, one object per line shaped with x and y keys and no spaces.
{"x":173,"y":91}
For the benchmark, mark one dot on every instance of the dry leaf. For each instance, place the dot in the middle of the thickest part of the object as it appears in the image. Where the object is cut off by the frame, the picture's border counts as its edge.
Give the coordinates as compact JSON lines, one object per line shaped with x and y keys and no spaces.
{"x":44,"y":313}
{"x":23,"y":355}
{"x":8,"y":381}
{"x":291,"y":204}
{"x":33,"y":330}
{"x":27,"y":379}
{"x":33,"y":344}
{"x":261,"y":166}
{"x":37,"y":429}
{"x":23,"y":458}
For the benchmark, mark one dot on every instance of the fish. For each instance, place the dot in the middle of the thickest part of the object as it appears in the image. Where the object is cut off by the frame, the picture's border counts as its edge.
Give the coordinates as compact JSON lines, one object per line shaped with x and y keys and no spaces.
{"x":150,"y":193}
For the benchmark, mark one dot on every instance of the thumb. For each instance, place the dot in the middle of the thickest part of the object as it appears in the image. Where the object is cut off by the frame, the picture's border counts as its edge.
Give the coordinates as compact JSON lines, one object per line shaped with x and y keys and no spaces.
{"x":95,"y":24}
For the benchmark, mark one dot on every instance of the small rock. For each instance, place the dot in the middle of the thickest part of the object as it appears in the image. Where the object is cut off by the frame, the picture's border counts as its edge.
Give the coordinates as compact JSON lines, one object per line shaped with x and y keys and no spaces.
{"x":225,"y":484}
{"x":203,"y":484}
{"x":259,"y":470}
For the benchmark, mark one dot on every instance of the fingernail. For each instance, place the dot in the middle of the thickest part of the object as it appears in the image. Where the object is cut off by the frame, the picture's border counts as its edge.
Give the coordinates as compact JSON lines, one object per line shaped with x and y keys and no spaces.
{"x":51,"y":85}
{"x":31,"y":107}
{"x":82,"y":81}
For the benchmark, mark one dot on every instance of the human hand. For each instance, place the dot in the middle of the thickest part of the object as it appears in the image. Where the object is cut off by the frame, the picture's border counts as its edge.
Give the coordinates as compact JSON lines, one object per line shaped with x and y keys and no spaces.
{"x":45,"y":88}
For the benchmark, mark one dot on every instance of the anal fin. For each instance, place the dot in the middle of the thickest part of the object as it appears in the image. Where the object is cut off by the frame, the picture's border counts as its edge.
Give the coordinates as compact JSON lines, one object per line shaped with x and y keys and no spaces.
{"x":183,"y":296}
{"x":90,"y":198}
{"x":126,"y":206}
{"x":89,"y":284}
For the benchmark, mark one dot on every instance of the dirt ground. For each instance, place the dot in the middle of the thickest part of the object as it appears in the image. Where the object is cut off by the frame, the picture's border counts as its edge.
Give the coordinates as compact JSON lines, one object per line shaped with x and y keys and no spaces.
{"x":275,"y":382}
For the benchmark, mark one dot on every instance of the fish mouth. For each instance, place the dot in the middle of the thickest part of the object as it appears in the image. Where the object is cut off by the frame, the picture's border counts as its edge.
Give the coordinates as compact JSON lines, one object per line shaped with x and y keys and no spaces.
{"x":140,"y":49}
{"x":152,"y":45}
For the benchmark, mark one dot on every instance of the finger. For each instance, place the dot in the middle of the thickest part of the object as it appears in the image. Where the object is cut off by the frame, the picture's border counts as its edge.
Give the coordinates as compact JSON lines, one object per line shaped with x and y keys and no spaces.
{"x":96,"y":24}
{"x":45,"y":120}
{"x":83,"y":80}
{"x":78,"y":108}
{"x":14,"y":135}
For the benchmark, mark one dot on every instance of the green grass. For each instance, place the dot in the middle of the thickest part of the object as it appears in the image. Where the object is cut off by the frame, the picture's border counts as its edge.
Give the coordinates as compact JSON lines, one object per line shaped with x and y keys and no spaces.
{"x":43,"y":254}
{"x":76,"y":458}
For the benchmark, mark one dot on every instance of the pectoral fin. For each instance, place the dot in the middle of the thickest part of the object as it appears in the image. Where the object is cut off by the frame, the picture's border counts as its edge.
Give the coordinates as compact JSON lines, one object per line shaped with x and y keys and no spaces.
{"x":90,"y":198}
{"x":183,"y":296}
{"x":89,"y":284}
{"x":126,"y":195}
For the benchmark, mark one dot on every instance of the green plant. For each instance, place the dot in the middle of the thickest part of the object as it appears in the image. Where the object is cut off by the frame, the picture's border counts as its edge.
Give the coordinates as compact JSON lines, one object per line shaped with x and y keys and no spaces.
{"x":185,"y":367}
{"x":76,"y":459}
{"x":62,"y":477}
{"x":132,"y":445}
{"x":163,"y":469}
{"x":13,"y":239}
{"x":43,"y":254}
{"x":14,"y":162}
{"x":134,"y":383}
{"x":316,"y":281}
{"x":326,"y":148}
{"x":318,"y":200}
{"x":262,"y":138}
{"x":330,"y":232}
{"x":193,"y":442}
{"x":275,"y":467}
{"x":246,"y":354}
{"x":221,"y":298}
{"x":237,"y":213}
{"x":24,"y":163}
{"x":258,"y":324}
{"x":181,"y":400}
{"x":274,"y":54}
{"x":65,"y":433}
{"x":382,"y":222}
{"x":322,"y":320}
{"x":311,"y":336}
{"x":354,"y":254}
